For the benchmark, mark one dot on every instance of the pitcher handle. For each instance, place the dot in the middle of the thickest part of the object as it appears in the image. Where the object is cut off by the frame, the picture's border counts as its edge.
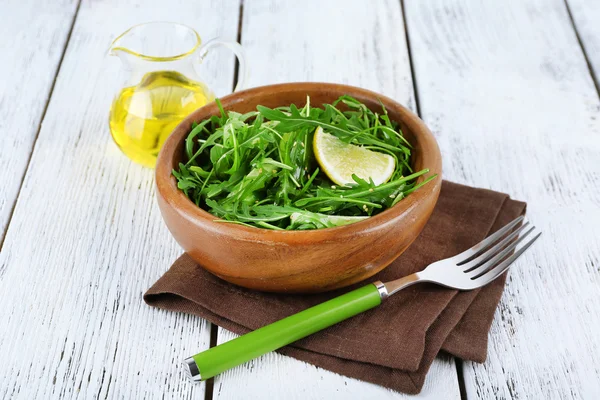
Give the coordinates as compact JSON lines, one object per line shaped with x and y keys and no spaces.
{"x":237,"y":50}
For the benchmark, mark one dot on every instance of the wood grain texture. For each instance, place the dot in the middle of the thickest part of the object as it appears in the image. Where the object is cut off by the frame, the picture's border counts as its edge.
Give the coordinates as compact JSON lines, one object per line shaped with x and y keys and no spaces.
{"x":586,"y":17}
{"x":507,"y":91}
{"x":86,"y":238}
{"x":32,"y":38}
{"x":360,"y":44}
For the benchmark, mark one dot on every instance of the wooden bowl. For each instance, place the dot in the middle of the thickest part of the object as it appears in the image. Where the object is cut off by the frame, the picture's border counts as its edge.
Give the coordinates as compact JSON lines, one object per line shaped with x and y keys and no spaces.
{"x":298,"y":261}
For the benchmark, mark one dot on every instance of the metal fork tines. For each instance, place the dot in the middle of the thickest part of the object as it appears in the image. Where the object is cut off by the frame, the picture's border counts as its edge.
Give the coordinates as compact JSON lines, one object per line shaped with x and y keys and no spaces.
{"x":480,"y":264}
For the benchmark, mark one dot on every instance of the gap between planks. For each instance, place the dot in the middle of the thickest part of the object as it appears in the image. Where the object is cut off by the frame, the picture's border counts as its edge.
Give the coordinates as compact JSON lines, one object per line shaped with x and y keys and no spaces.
{"x":410,"y":61}
{"x":39,"y":127}
{"x":457,"y":361}
{"x":582,"y":47}
{"x":210,"y":383}
{"x":236,"y":67}
{"x":214,"y":329}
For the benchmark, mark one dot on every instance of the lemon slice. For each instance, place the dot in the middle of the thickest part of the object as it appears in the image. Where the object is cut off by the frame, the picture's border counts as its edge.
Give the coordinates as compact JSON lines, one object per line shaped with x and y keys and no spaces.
{"x":339,"y":160}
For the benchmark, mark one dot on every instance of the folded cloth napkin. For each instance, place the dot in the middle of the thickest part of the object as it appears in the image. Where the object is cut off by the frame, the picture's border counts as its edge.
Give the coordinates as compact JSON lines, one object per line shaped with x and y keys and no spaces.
{"x":394,"y":344}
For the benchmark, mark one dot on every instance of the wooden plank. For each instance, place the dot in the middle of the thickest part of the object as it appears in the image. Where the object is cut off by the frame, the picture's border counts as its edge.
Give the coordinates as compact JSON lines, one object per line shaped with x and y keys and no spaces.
{"x":362,"y":45}
{"x":586,"y":17}
{"x":507,"y":91}
{"x":32,"y":40}
{"x":86,"y":238}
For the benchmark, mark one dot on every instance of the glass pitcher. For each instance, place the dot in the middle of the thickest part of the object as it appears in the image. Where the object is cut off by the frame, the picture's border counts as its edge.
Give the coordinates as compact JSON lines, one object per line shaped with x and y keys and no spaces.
{"x":163,"y":87}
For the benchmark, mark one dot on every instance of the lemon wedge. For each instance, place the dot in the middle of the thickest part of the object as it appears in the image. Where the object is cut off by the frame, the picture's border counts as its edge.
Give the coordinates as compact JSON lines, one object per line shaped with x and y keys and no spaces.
{"x":339,"y":160}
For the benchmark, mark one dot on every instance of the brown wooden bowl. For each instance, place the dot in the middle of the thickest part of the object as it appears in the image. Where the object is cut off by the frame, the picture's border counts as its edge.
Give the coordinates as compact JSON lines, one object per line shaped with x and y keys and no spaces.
{"x":298,"y":261}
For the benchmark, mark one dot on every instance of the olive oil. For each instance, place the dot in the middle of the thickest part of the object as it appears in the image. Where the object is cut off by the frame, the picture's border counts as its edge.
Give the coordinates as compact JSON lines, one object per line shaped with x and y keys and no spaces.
{"x":143,"y":116}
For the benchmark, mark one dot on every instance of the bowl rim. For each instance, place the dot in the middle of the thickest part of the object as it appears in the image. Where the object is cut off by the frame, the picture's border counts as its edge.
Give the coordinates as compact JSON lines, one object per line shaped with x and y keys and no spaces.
{"x":166,"y":183}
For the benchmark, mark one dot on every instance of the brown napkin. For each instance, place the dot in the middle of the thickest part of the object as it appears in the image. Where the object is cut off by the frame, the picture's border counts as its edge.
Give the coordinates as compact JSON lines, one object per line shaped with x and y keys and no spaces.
{"x":394,"y":344}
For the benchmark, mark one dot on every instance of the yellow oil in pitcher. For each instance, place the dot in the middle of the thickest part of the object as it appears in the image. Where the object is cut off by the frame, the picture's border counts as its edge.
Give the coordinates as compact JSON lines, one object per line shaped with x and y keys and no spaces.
{"x":143,"y":116}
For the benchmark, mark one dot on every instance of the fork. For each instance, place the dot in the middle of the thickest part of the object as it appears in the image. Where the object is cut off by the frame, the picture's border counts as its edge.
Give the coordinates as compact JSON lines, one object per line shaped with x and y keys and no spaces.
{"x":471,"y":269}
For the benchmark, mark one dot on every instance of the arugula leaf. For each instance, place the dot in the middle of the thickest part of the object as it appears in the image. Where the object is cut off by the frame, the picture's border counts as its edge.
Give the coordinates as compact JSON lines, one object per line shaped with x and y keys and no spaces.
{"x":257,"y":169}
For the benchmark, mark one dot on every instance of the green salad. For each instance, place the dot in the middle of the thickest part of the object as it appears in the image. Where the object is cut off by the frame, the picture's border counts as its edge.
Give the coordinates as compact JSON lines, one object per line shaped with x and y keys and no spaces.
{"x":291,"y":168}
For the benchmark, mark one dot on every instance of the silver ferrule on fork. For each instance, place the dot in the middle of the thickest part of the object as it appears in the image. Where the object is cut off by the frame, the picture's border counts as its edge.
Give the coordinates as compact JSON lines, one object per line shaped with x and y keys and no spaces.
{"x":383,"y":293}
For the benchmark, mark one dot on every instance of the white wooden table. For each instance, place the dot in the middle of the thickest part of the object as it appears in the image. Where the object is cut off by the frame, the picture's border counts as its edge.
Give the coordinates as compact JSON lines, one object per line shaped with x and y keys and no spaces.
{"x":510,"y":89}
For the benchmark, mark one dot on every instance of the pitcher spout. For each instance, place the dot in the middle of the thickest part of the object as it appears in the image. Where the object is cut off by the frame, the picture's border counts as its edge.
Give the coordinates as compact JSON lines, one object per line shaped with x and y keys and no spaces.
{"x":127,"y":46}
{"x":156,"y":41}
{"x":118,"y":49}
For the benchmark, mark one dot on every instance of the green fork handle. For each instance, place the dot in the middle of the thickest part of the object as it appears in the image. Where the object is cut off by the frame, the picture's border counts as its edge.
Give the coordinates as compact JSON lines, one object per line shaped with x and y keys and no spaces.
{"x":218,"y":359}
